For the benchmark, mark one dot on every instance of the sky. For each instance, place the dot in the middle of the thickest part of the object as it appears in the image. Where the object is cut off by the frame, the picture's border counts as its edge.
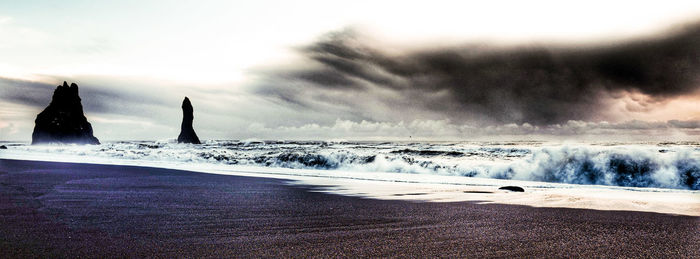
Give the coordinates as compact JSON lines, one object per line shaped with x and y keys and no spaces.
{"x":442,"y":70}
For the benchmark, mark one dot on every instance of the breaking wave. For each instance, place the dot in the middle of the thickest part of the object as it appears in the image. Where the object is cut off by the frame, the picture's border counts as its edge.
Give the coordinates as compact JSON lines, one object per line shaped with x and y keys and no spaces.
{"x":617,"y":167}
{"x":664,"y":165}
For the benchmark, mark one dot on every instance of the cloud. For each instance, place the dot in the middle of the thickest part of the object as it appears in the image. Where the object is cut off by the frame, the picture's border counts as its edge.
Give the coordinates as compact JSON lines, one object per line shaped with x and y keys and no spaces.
{"x":540,"y":85}
{"x":685,"y":124}
{"x":347,"y":87}
{"x":26,"y":92}
{"x":98,"y":96}
{"x":447,"y":130}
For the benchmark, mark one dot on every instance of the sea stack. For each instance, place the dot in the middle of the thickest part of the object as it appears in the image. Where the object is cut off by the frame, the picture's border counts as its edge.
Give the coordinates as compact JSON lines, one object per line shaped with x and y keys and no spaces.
{"x":187,"y":134}
{"x":63,"y":120}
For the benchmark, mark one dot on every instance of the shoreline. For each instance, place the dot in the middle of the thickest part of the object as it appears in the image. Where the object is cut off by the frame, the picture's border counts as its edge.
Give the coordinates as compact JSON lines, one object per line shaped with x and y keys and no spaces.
{"x":67,"y":210}
{"x":433,"y":188}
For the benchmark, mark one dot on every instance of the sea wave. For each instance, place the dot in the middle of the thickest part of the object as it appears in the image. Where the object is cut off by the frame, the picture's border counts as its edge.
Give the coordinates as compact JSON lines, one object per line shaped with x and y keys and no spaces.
{"x":630,"y":167}
{"x":662,"y":165}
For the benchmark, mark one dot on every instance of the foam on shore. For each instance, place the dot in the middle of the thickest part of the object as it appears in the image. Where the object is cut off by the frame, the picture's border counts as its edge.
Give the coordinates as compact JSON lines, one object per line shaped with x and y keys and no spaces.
{"x":430,"y":188}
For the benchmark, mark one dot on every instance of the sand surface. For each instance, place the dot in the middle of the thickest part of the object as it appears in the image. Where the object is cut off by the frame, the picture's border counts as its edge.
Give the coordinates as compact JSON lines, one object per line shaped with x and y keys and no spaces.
{"x":66,"y":210}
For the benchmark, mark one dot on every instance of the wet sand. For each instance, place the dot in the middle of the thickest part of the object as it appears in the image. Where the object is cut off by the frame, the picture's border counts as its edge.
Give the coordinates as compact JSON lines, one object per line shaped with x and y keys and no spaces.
{"x":51,"y":209}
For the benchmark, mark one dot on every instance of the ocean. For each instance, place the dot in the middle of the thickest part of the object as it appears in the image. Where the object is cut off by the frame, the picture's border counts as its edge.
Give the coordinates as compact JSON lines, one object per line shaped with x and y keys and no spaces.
{"x":665,"y":165}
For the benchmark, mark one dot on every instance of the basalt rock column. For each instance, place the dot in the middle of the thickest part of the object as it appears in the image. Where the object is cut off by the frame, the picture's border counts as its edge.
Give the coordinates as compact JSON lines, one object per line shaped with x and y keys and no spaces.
{"x":63,"y":120}
{"x":187,"y":134}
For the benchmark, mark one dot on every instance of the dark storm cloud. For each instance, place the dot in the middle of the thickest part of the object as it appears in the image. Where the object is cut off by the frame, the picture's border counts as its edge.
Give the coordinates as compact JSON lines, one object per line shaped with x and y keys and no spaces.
{"x":534,"y":84}
{"x":693,"y":124}
{"x":25,"y":92}
{"x":100,"y":99}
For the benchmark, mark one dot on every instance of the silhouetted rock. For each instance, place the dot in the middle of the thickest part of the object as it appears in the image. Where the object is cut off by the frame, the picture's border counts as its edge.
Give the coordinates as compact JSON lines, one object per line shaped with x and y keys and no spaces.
{"x":3,"y":147}
{"x":63,"y":120}
{"x":187,"y":134}
{"x":512,"y":188}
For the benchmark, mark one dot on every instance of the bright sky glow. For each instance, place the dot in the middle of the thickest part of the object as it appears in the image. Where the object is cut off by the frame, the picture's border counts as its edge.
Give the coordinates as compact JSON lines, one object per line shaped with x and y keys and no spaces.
{"x":210,"y":51}
{"x":217,"y":41}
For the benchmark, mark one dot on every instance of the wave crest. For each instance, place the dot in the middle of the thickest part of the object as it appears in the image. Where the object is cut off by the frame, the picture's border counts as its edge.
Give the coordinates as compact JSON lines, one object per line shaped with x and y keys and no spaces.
{"x":644,"y":165}
{"x":616,"y":167}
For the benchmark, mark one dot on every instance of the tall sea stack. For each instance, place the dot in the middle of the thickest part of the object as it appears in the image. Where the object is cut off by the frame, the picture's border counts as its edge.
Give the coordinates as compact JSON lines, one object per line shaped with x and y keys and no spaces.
{"x":187,"y":134}
{"x":63,"y":120}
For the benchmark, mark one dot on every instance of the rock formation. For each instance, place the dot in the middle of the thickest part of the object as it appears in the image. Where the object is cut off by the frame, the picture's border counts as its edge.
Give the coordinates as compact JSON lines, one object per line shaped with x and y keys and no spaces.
{"x":63,"y":120}
{"x":187,"y":134}
{"x":512,"y":188}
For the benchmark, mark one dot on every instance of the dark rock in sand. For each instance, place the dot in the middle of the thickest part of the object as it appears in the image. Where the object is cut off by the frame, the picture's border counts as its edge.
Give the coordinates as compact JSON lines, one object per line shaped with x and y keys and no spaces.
{"x":187,"y":134}
{"x":3,"y":147}
{"x":63,"y":120}
{"x":512,"y":188}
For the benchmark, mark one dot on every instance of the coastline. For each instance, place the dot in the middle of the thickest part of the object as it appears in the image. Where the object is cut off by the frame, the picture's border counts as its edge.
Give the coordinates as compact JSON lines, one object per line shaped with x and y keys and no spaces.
{"x":67,"y":210}
{"x":424,"y":187}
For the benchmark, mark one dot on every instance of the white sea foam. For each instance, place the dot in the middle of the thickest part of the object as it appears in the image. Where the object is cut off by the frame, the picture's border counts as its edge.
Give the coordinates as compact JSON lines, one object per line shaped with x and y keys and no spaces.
{"x":666,"y":165}
{"x":574,"y":175}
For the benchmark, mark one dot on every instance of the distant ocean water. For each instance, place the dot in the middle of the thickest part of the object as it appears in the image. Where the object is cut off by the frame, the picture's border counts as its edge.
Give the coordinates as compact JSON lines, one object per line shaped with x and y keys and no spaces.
{"x":661,"y":165}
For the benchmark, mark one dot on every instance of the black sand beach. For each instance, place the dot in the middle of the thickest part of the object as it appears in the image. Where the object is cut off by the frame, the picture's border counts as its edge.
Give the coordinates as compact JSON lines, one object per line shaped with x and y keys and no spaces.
{"x":84,"y":210}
